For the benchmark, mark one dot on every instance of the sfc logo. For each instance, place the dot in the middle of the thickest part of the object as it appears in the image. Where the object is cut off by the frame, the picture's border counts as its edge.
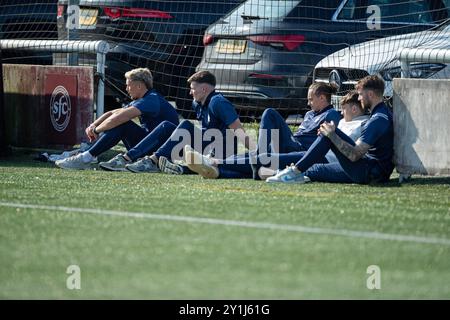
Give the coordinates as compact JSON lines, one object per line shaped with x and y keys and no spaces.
{"x":60,"y":108}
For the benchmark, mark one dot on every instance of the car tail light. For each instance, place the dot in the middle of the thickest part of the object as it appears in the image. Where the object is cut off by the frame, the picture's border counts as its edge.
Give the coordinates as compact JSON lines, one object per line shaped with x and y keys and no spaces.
{"x":208,"y":39}
{"x":116,"y":13}
{"x":60,"y":11}
{"x":289,"y":42}
{"x":265,"y":76}
{"x":113,"y":13}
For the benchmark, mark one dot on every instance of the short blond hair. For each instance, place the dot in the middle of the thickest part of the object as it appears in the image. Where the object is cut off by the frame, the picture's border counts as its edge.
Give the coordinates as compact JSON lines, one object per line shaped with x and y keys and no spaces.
{"x":141,"y":74}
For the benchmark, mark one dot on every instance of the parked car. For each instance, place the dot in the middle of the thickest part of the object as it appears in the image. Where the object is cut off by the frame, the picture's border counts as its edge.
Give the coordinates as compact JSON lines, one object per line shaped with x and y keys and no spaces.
{"x":25,"y":19}
{"x":264,"y":52}
{"x":165,"y":36}
{"x":346,"y":67}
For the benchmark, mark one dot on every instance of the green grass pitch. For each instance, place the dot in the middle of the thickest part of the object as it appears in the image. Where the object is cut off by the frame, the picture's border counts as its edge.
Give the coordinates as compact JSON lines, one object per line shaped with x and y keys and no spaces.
{"x":218,"y":239}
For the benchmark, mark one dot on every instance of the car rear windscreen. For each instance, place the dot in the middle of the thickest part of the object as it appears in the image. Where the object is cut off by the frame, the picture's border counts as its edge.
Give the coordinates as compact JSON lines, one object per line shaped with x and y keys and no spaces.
{"x":262,"y":9}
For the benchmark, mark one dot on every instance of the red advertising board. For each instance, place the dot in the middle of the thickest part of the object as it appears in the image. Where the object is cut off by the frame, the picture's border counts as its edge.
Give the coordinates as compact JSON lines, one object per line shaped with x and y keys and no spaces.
{"x":60,"y":91}
{"x":47,"y":106}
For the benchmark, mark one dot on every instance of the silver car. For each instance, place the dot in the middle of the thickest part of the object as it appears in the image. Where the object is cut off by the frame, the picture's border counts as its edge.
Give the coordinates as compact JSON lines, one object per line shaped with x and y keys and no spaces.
{"x":345,"y":67}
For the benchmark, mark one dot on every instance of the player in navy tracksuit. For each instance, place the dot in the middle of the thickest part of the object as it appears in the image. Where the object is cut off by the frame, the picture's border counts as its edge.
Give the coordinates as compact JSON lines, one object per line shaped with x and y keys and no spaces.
{"x":218,"y":135}
{"x":369,"y":159}
{"x":275,"y":137}
{"x":117,"y":125}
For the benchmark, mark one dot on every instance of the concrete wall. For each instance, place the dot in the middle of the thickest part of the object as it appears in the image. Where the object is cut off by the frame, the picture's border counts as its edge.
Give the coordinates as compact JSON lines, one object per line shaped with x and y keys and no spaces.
{"x":422,"y":126}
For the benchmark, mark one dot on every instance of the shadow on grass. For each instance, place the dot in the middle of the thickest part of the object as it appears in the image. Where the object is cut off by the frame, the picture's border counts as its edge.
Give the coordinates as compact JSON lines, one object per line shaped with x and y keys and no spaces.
{"x":414,"y":181}
{"x":424,"y":180}
{"x":26,"y":159}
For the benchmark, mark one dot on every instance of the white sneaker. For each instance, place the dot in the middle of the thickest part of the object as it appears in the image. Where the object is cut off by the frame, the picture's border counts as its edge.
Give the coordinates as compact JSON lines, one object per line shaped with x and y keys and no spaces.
{"x":145,"y":164}
{"x":265,"y":173}
{"x":289,"y":175}
{"x":200,"y":163}
{"x":74,"y":163}
{"x":117,"y":163}
{"x":167,"y":166}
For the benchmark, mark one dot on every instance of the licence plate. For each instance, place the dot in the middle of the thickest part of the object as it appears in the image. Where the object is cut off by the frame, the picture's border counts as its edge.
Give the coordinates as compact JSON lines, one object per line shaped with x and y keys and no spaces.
{"x":88,"y":18}
{"x":232,"y":46}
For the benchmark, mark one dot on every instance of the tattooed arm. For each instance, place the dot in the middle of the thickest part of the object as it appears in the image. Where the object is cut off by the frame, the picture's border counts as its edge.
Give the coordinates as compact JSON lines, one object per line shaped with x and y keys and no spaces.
{"x":353,"y":153}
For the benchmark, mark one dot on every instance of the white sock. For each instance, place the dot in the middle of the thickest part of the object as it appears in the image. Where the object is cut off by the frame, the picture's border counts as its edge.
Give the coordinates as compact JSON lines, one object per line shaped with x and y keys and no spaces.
{"x":87,"y":157}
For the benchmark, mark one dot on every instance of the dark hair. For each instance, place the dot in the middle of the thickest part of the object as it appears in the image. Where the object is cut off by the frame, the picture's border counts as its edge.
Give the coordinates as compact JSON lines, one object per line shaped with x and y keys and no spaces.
{"x":352,"y":98}
{"x":203,"y":77}
{"x":322,"y":88}
{"x":373,"y":83}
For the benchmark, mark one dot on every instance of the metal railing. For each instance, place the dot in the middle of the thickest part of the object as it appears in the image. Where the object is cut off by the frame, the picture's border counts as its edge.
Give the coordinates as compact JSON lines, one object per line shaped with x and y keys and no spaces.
{"x":101,"y":48}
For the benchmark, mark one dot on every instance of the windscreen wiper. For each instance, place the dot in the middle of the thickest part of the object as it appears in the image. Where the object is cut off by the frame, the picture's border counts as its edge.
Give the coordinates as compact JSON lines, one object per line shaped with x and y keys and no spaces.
{"x":248,"y":17}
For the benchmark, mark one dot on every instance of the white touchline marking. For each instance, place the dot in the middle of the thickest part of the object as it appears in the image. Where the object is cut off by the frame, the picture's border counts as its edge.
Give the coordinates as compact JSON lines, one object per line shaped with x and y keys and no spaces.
{"x":237,"y":223}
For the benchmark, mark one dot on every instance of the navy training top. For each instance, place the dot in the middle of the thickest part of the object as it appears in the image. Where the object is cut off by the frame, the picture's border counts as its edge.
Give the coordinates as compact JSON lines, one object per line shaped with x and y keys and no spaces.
{"x":307,"y":132}
{"x":216,"y":113}
{"x":154,"y":110}
{"x":378,"y":132}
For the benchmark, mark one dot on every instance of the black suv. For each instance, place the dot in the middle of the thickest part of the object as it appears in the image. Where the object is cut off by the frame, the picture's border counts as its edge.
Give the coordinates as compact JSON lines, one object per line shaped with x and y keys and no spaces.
{"x":165,"y":36}
{"x":26,"y":19}
{"x":263,"y":53}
